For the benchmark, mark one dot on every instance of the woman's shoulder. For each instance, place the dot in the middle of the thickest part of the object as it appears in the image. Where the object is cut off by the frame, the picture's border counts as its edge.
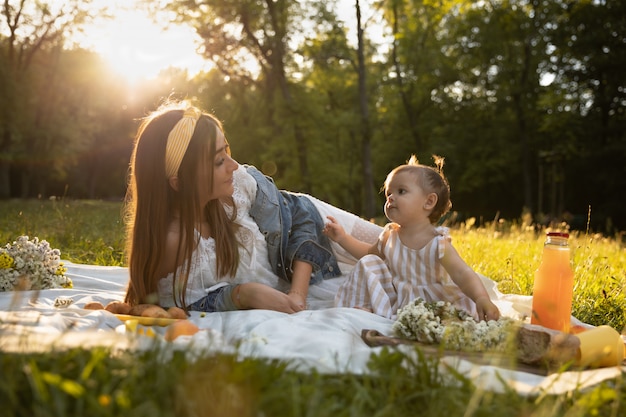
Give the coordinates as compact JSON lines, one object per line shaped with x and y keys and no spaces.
{"x":245,"y":189}
{"x":242,"y":177}
{"x":167,"y":262}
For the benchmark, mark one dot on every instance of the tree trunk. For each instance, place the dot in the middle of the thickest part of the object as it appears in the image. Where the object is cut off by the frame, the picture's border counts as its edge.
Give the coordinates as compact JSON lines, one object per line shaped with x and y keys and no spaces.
{"x":5,"y":184}
{"x":366,"y":134}
{"x":520,"y":114}
{"x":301,"y":144}
{"x":411,"y":114}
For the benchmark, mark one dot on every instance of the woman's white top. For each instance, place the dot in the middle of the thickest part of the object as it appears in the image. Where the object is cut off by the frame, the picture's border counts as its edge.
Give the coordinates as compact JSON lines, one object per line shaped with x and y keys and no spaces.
{"x":254,"y":263}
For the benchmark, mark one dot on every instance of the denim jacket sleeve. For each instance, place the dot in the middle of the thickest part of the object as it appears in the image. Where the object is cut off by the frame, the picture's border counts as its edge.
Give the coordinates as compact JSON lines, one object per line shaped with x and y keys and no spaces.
{"x":292,"y":228}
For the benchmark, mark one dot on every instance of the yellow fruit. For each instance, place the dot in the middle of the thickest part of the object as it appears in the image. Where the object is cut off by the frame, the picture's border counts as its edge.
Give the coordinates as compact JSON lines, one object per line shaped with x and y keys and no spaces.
{"x":180,"y":328}
{"x":133,"y":326}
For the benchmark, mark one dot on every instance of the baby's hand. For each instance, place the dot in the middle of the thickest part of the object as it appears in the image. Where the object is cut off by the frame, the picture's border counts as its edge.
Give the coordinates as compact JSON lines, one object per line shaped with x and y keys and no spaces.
{"x":334,"y":230}
{"x":486,"y":309}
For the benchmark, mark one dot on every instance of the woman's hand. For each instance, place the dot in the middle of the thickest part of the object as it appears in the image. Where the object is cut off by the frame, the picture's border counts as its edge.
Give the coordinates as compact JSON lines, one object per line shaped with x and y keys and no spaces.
{"x":256,"y":295}
{"x":297,"y":300}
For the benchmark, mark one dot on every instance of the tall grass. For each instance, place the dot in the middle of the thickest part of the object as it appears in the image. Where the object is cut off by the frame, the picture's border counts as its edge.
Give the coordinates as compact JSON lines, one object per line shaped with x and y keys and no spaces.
{"x":86,"y":231}
{"x":510,"y":252}
{"x":98,"y":382}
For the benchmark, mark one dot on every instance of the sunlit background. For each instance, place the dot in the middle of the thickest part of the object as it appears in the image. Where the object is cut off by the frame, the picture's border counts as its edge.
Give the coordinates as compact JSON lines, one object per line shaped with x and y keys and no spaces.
{"x":508,"y":94}
{"x":137,"y":47}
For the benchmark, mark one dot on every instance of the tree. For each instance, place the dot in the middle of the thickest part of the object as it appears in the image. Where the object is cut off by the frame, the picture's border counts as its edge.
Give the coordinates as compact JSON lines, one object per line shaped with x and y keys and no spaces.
{"x":242,"y":36}
{"x":366,"y":133}
{"x":330,"y":86}
{"x":586,"y":107}
{"x":499,"y":49}
{"x":28,"y":29}
{"x":417,"y":60}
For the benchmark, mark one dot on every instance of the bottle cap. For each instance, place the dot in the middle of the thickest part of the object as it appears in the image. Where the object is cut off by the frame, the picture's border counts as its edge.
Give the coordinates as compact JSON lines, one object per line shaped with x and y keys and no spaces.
{"x":558,"y":234}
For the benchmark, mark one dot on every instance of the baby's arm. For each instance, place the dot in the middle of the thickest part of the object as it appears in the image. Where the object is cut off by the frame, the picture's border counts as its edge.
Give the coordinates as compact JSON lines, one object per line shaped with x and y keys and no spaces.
{"x":469,"y":282}
{"x":355,"y":247}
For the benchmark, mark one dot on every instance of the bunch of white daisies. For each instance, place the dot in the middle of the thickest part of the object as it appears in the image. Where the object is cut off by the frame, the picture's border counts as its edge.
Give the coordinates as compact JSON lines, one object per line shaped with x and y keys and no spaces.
{"x":31,"y":265}
{"x":440,"y":322}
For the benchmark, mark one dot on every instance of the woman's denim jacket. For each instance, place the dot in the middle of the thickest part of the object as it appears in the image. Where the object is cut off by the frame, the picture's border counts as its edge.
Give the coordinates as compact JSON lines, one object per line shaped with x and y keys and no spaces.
{"x":292,"y":227}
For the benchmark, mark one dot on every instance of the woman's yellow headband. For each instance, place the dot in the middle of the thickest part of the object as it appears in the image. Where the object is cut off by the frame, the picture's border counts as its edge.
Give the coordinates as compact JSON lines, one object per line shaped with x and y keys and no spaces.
{"x":178,"y":141}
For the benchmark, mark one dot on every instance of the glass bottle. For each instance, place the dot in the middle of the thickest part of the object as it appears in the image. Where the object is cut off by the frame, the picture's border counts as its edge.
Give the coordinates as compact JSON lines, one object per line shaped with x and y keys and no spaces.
{"x":554,"y":285}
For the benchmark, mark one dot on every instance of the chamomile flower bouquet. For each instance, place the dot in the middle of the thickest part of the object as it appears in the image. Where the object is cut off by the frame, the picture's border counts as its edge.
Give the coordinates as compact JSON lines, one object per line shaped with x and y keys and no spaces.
{"x":31,"y":264}
{"x":440,"y":322}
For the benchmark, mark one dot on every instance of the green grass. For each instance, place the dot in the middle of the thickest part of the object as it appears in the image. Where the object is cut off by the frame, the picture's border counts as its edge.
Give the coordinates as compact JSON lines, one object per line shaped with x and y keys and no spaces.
{"x":98,"y":382}
{"x":86,"y":231}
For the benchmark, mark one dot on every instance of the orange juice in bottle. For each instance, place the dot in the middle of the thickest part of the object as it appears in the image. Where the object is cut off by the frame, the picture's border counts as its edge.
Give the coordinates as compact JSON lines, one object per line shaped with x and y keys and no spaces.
{"x":554,"y":285}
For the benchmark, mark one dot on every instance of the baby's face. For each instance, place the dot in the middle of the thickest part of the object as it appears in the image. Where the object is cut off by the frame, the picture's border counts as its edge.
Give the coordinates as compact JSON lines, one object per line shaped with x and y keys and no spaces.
{"x":406,"y":201}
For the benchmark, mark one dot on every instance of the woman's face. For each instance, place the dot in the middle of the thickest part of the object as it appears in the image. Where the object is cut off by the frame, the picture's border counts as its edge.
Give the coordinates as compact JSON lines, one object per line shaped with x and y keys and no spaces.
{"x":223,"y":167}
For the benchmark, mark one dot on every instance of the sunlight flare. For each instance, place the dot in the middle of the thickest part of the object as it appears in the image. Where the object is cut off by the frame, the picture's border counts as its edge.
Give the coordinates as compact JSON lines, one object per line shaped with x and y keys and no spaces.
{"x":138,"y":48}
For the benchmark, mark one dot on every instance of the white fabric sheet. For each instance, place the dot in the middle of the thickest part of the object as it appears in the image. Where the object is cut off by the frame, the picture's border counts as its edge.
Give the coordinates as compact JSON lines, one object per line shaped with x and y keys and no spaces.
{"x":323,"y":338}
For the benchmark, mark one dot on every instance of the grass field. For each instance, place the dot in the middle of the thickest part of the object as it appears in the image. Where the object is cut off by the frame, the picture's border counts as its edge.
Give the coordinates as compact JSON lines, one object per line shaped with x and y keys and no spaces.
{"x":99,"y":383}
{"x":89,"y":232}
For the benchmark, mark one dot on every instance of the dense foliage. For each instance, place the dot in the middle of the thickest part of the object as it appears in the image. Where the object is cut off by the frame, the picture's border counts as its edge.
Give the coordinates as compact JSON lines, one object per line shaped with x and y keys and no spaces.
{"x":525,"y":99}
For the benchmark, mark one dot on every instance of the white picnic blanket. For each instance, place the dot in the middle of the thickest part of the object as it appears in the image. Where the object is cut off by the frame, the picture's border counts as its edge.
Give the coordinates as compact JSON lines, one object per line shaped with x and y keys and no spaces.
{"x":323,"y":338}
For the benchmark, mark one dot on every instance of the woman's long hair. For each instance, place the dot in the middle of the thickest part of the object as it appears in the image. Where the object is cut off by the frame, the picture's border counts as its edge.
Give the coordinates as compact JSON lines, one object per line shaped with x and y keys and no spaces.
{"x":151,"y":204}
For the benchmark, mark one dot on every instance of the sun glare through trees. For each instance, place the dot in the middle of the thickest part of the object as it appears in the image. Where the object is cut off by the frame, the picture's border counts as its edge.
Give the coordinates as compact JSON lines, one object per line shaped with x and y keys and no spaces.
{"x":135,"y":46}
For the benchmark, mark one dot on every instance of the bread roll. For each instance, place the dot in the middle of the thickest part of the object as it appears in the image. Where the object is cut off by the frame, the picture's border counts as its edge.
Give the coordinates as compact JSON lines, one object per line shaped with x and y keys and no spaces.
{"x":155,"y":312}
{"x":177,"y":313}
{"x":138,"y":309}
{"x":118,"y":307}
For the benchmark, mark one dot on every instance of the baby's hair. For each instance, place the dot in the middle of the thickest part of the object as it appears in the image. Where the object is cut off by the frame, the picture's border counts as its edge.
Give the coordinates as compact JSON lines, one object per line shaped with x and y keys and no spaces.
{"x":431,"y":180}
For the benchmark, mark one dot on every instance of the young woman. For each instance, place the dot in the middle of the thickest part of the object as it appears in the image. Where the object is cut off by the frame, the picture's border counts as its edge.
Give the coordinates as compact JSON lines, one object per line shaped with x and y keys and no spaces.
{"x":412,"y":257}
{"x":207,"y":234}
